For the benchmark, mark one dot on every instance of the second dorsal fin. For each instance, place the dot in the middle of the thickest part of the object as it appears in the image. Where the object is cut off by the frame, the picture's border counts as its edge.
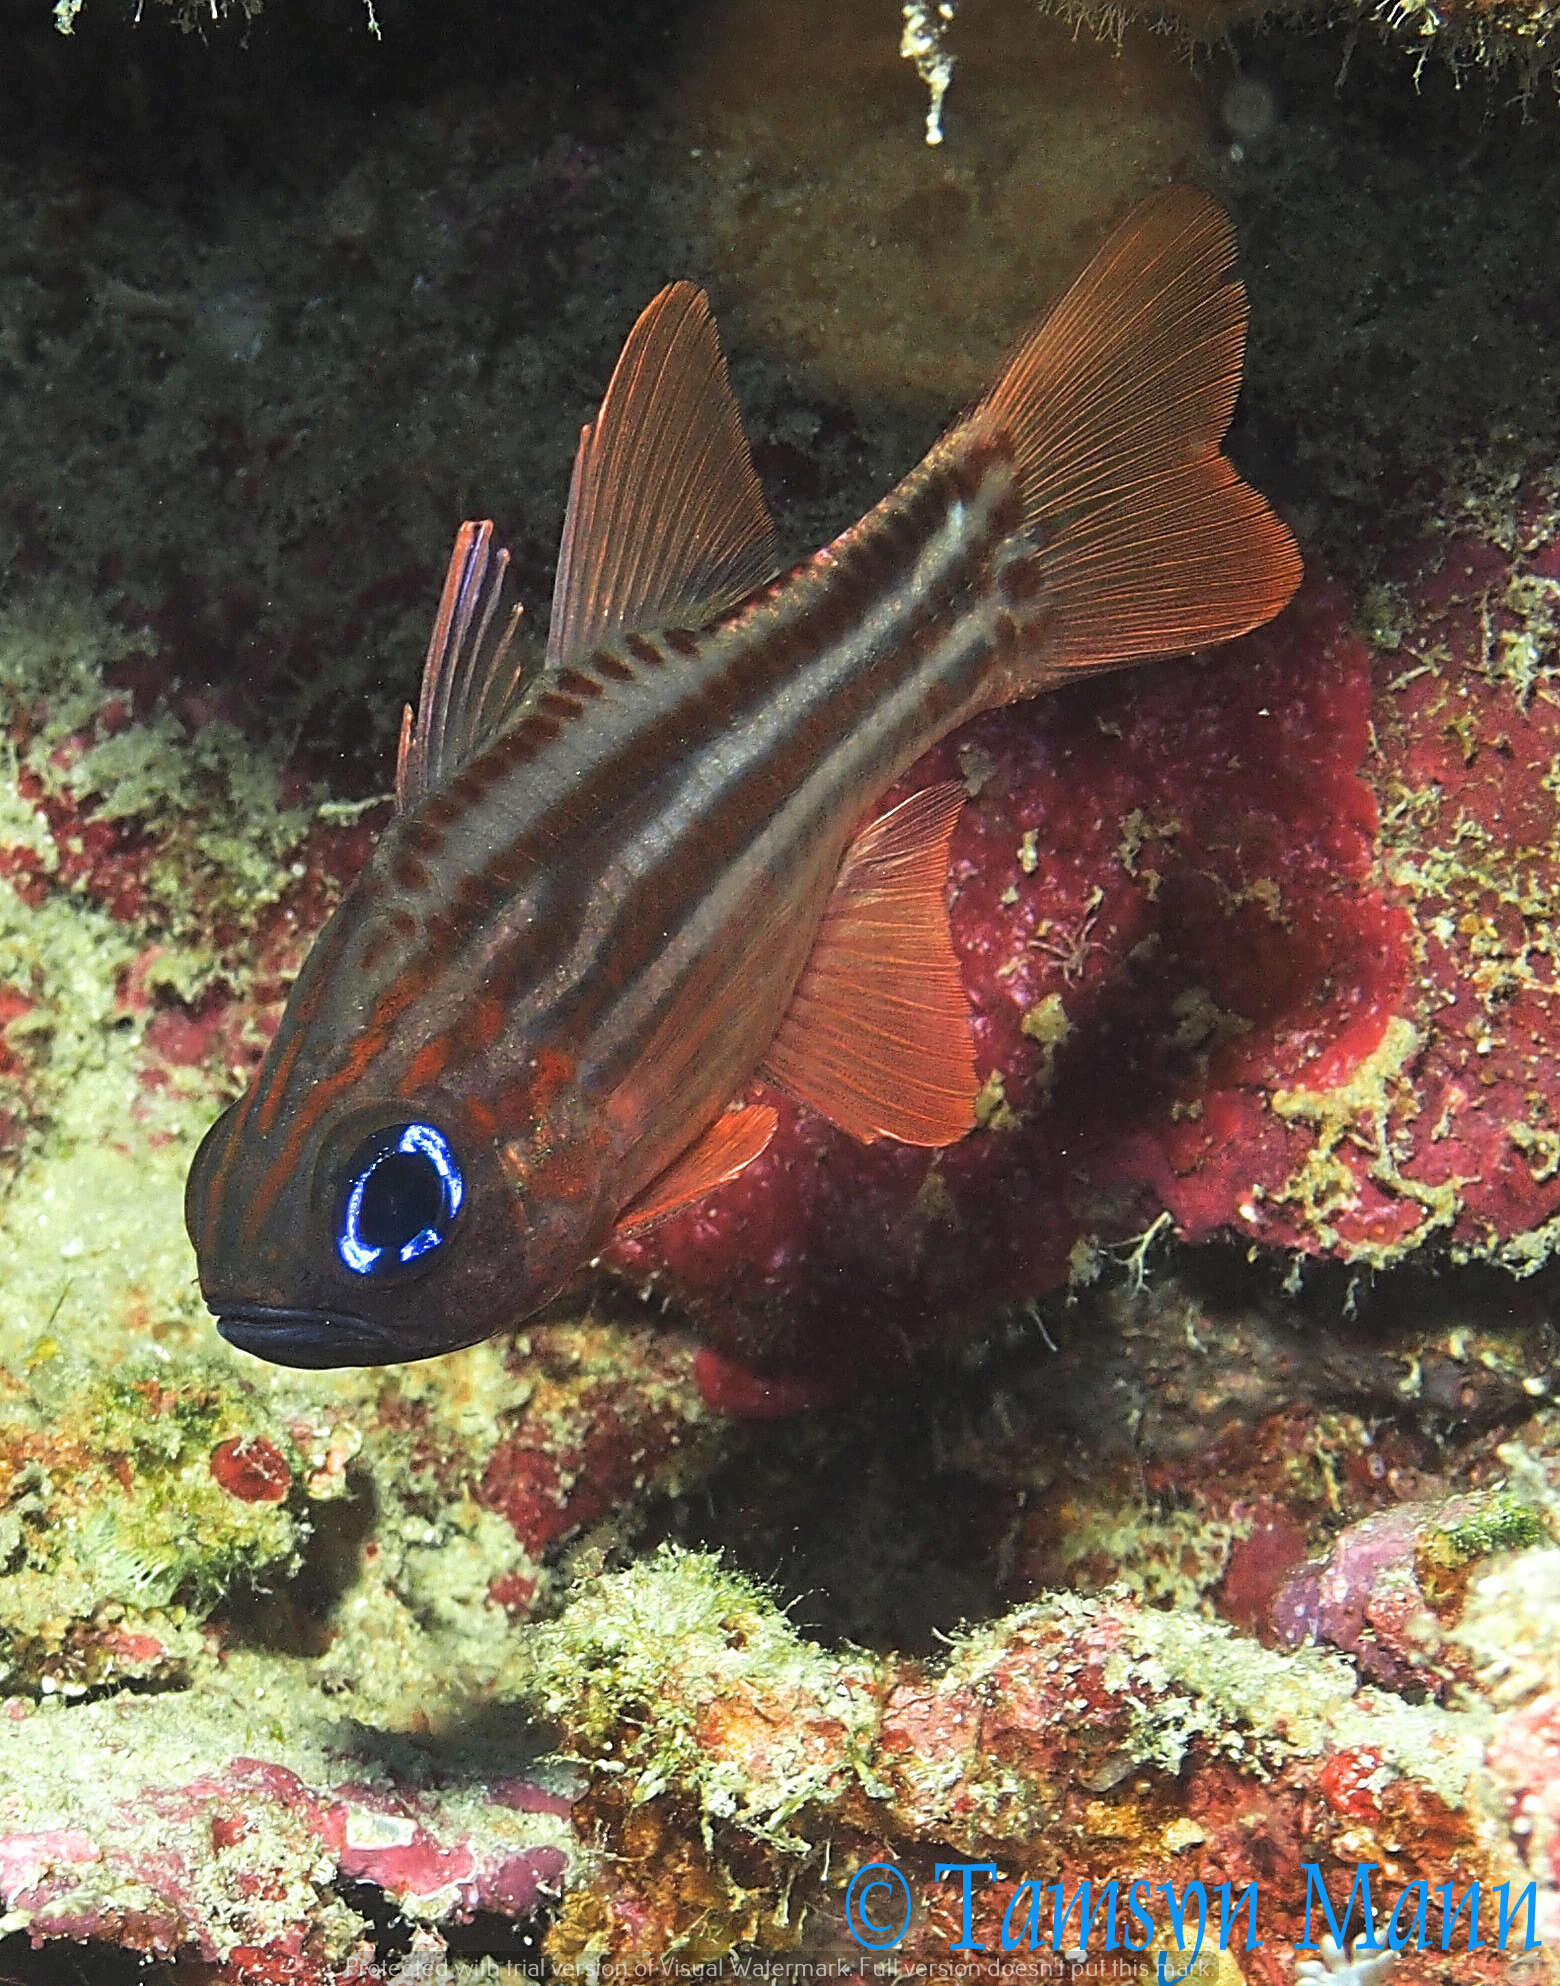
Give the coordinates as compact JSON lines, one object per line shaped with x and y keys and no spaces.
{"x":465,"y":695}
{"x":666,"y":523}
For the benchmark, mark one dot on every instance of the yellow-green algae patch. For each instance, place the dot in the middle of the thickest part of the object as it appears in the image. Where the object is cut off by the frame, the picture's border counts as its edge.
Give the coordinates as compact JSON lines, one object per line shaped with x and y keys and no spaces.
{"x":1358,"y":1114}
{"x":1222,"y":1688}
{"x":92,"y":1226}
{"x":119,"y":1539}
{"x":1046,"y":1023}
{"x":93,"y":1221}
{"x":636,"y":1658}
{"x":637,"y":1655}
{"x":210,"y":801}
{"x":1521,"y":1254}
{"x":1172,"y":1557}
{"x":117,"y":1536}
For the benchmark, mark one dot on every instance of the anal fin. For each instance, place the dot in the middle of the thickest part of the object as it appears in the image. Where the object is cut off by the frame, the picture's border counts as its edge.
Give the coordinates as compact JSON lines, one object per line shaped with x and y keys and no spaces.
{"x":877,"y":1036}
{"x":731,"y":1143}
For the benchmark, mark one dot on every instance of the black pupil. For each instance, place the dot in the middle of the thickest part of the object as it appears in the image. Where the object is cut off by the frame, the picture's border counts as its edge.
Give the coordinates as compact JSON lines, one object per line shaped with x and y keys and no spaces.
{"x":402,"y":1195}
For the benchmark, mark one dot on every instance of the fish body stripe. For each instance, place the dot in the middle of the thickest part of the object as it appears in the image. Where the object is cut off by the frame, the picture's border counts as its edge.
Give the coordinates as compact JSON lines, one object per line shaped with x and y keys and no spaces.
{"x":589,"y":925}
{"x":742,"y":760}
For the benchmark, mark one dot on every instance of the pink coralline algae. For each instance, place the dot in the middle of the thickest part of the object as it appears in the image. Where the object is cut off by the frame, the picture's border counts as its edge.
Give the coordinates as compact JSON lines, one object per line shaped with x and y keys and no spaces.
{"x":395,"y":1842}
{"x":232,"y":1865}
{"x":1524,"y":1757}
{"x":1262,"y":942}
{"x":1388,"y":1590}
{"x":602,"y":1417}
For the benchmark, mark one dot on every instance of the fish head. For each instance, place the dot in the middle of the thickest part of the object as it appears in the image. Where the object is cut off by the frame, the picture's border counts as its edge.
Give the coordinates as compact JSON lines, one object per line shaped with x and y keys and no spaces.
{"x":396,"y":1230}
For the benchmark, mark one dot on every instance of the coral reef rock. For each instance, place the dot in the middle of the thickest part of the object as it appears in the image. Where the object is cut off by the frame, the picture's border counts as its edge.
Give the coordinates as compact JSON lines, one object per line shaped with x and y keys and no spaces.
{"x":1266,"y":944}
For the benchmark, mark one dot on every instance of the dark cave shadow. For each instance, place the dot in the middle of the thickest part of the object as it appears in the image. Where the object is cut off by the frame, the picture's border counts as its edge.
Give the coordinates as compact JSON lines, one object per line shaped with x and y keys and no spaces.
{"x":890,"y":1523}
{"x":157,"y":180}
{"x":294,"y":1617}
{"x":1397,"y":247}
{"x":162,"y":111}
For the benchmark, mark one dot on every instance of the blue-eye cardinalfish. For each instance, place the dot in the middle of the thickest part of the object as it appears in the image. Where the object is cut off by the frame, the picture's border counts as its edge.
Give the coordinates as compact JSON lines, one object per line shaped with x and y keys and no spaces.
{"x":618,"y":890}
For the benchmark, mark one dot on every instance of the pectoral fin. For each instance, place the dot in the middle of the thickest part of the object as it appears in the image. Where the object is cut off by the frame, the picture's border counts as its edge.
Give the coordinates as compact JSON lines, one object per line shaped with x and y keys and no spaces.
{"x":732,"y":1142}
{"x":877,"y":1036}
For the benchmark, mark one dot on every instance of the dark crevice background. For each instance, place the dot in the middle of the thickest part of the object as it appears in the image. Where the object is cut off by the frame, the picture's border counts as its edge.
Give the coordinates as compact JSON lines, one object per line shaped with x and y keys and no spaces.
{"x":913,"y":1510}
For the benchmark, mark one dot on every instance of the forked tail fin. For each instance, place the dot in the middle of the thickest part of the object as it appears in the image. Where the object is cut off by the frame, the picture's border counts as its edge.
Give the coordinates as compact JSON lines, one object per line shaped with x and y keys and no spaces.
{"x":1115,"y":406}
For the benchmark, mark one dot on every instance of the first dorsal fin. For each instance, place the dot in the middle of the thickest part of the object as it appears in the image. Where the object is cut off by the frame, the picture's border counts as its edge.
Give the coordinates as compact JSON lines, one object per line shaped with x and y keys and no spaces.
{"x":666,"y":524}
{"x":465,"y":696}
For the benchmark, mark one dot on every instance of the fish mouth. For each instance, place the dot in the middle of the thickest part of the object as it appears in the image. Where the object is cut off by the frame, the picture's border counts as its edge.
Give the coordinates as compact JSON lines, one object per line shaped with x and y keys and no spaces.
{"x":313,"y":1340}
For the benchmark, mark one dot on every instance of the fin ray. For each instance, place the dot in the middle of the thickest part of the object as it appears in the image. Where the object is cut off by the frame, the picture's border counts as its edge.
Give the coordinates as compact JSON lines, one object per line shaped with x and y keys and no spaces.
{"x":877,"y":1036}
{"x":730,"y":1145}
{"x":465,"y":699}
{"x":666,"y":522}
{"x":1115,"y":406}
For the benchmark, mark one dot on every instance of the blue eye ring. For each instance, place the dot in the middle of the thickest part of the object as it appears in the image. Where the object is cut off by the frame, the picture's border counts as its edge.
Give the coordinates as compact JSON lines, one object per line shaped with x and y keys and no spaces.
{"x":424,"y":1202}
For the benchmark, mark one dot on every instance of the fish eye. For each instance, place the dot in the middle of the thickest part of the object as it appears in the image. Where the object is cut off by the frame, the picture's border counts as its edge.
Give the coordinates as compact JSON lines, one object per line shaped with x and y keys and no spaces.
{"x":403,"y":1191}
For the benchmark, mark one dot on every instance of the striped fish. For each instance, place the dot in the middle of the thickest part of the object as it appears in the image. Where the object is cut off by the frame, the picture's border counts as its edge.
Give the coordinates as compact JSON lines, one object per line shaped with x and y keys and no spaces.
{"x":617,"y":890}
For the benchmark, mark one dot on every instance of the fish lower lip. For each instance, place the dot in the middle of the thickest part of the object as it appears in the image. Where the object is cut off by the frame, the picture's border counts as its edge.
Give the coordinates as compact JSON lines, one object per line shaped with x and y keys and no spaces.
{"x":312,"y":1339}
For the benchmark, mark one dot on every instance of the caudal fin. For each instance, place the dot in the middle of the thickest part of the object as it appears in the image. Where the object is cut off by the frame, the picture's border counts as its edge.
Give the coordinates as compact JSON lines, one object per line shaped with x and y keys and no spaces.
{"x":1115,"y":406}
